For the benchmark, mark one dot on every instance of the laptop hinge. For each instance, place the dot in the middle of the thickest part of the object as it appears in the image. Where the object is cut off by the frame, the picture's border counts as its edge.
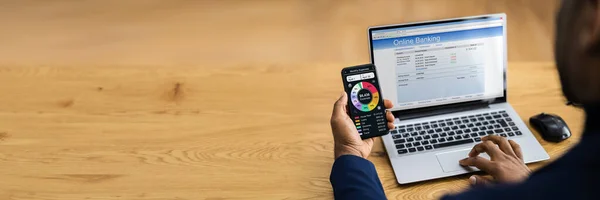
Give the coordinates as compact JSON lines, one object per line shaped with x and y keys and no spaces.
{"x":405,"y":115}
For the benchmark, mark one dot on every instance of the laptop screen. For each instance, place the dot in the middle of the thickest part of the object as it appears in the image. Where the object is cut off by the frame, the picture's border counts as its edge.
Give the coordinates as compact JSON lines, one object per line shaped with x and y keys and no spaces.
{"x":442,"y":62}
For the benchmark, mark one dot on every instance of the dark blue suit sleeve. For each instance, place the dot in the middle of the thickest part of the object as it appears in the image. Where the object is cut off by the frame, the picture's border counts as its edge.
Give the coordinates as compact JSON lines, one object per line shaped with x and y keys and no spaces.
{"x":353,"y":177}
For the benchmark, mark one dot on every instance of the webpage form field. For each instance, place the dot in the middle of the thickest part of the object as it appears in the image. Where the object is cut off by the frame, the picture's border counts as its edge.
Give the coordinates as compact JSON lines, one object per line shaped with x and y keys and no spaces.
{"x":444,"y":65}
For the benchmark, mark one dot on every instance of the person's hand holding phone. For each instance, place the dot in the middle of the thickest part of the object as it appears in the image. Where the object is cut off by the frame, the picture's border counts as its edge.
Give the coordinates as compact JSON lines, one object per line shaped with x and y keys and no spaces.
{"x":347,"y":141}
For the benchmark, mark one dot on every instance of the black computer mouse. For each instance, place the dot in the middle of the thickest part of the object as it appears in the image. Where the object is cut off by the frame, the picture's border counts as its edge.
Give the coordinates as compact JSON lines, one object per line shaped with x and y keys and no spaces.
{"x":552,"y":127}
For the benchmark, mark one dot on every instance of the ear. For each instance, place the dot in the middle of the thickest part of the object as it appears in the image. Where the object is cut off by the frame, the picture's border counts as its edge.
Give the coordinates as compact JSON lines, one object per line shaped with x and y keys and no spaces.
{"x":587,"y":90}
{"x":593,"y":26}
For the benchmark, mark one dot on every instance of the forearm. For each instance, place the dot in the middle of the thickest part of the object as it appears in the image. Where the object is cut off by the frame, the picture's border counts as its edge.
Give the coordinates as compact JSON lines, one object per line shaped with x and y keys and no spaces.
{"x":353,"y":177}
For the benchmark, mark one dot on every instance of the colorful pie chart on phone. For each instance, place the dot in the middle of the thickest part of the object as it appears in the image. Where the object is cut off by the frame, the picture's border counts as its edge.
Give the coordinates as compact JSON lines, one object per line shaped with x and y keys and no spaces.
{"x":364,"y":96}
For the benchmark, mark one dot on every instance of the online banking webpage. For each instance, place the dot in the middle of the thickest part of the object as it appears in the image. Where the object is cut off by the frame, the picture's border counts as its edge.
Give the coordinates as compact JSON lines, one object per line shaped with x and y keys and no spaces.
{"x":428,"y":65}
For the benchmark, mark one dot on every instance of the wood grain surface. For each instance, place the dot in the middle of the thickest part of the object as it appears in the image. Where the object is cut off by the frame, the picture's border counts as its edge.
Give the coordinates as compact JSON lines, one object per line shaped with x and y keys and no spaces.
{"x":214,"y":99}
{"x":251,"y":132}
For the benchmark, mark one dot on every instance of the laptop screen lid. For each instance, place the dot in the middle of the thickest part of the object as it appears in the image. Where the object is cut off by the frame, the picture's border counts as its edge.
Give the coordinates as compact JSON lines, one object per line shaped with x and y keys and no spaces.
{"x":441,"y":63}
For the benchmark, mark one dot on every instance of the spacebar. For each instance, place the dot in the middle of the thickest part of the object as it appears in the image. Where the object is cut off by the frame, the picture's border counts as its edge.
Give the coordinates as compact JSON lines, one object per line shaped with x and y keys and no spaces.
{"x":453,"y":143}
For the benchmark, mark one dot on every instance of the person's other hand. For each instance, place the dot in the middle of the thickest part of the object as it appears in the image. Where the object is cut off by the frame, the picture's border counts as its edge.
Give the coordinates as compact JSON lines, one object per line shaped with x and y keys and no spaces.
{"x":346,"y":139}
{"x":506,"y":164}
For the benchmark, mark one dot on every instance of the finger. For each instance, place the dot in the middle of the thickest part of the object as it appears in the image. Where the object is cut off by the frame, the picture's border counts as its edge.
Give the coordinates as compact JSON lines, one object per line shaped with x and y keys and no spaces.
{"x":479,"y":162}
{"x":480,"y":180}
{"x":390,"y":120}
{"x":391,"y":126}
{"x":389,"y":116}
{"x":517,"y":148}
{"x":501,"y":142}
{"x":388,"y":104}
{"x":339,"y":108}
{"x":486,"y":147}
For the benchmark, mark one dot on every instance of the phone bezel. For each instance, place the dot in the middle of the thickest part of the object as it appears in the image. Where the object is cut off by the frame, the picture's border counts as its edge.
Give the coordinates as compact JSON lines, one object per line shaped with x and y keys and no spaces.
{"x":349,"y":103}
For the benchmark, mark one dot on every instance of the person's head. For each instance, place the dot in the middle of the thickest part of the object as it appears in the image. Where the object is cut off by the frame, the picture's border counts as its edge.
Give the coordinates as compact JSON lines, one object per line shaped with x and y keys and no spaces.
{"x":577,"y":50}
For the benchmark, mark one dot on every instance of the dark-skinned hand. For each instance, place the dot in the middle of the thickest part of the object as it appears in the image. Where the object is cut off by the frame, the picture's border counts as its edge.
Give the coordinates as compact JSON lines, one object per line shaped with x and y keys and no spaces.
{"x":346,"y":138}
{"x":506,"y":163}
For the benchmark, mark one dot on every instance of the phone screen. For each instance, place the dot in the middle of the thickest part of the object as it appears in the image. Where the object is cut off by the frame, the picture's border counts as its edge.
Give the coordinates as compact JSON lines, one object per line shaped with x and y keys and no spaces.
{"x":365,"y":102}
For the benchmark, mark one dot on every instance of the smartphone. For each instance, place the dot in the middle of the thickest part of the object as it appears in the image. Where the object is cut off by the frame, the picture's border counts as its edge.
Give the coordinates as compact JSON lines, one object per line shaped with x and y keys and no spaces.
{"x":365,"y":102}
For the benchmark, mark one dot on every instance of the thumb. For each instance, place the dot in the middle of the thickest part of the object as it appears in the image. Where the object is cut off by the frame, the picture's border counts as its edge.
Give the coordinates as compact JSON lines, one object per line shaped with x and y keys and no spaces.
{"x":477,"y":180}
{"x":339,"y":107}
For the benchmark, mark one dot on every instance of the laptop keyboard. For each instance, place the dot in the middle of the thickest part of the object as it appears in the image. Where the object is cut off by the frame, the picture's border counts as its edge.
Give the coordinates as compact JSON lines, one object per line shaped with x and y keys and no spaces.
{"x":450,"y":132}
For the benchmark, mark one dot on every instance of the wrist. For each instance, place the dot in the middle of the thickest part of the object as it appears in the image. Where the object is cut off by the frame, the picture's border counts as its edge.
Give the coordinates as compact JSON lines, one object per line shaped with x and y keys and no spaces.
{"x":341,"y":150}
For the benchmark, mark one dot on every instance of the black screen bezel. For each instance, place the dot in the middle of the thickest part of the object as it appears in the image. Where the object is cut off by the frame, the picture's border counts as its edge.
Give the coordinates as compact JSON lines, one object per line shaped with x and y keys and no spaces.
{"x":349,"y":103}
{"x":450,"y":105}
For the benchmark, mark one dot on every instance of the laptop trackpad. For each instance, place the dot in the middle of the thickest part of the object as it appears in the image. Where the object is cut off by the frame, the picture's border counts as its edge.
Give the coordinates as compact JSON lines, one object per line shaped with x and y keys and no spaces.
{"x":449,"y":160}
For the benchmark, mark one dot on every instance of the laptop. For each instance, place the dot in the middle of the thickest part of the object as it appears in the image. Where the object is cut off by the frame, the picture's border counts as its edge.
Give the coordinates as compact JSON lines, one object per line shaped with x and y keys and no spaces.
{"x":447,"y":79}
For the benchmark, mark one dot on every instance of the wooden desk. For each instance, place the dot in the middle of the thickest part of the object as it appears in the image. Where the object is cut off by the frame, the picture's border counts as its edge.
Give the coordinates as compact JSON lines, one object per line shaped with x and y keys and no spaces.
{"x":213,"y":99}
{"x":248,"y":132}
